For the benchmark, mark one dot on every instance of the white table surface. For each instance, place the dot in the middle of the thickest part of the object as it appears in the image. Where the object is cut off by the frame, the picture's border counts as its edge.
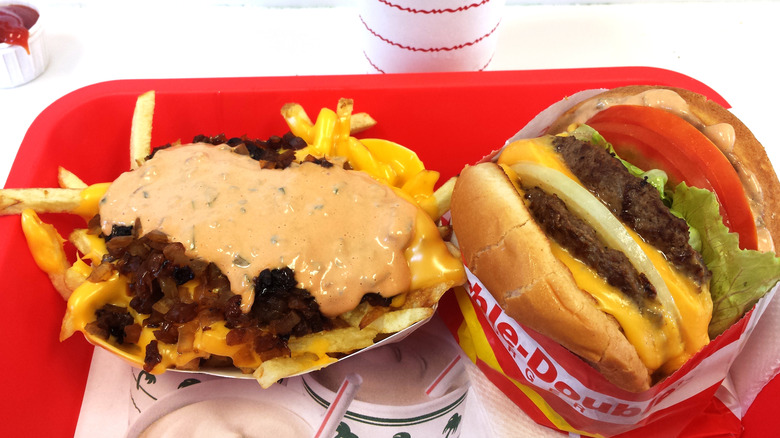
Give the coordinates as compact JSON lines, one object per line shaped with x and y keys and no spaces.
{"x":727,"y":45}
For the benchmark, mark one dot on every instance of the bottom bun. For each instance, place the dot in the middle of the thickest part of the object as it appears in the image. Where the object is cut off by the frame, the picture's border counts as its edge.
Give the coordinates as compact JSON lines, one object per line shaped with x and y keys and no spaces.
{"x":504,"y":247}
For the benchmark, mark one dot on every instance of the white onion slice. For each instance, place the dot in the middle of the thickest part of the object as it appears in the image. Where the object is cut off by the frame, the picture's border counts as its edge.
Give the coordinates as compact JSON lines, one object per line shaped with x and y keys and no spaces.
{"x":610,"y":230}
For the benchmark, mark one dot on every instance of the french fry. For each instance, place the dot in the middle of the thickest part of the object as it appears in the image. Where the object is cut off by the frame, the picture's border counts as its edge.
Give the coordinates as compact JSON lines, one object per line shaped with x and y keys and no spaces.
{"x":403,"y":161}
{"x":372,"y":315}
{"x":362,"y":159}
{"x":322,"y":133}
{"x":303,"y":358}
{"x":420,"y":188}
{"x":344,"y":115}
{"x":68,"y":180}
{"x":443,"y":196}
{"x":344,"y":107}
{"x":341,"y":134}
{"x":395,"y":321}
{"x":340,"y":340}
{"x":298,"y":121}
{"x":356,"y":316}
{"x":91,"y":246}
{"x":46,"y":247}
{"x":141,"y":129}
{"x":360,"y":122}
{"x":271,"y":371}
{"x":77,"y":274}
{"x":55,"y":200}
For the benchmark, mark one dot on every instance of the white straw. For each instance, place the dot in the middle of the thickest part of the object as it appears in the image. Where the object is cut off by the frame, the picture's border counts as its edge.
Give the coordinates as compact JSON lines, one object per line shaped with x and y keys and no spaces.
{"x":338,"y":407}
{"x":443,"y":381}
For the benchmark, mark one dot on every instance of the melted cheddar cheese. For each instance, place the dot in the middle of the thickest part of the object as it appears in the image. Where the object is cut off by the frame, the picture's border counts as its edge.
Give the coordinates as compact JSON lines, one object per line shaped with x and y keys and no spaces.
{"x":90,"y":199}
{"x":661,"y":347}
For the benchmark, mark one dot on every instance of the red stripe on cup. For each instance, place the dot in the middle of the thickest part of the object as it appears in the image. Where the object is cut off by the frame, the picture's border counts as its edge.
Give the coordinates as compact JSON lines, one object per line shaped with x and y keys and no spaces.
{"x":434,"y":11}
{"x":379,"y":70}
{"x":339,"y":406}
{"x":372,"y":63}
{"x":442,"y":375}
{"x":428,"y":49}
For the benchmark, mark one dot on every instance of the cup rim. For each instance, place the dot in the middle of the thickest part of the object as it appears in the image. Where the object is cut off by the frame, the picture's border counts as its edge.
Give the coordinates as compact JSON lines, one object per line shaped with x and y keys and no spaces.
{"x":305,"y":409}
{"x":376,"y":413}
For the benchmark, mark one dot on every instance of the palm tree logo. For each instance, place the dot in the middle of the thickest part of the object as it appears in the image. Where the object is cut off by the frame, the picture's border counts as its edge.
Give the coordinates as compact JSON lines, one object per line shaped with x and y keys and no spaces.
{"x":452,"y":425}
{"x":343,"y":431}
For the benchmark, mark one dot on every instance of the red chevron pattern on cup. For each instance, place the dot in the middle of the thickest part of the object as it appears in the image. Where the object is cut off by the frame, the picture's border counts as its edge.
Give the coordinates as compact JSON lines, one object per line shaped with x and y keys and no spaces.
{"x":429,"y":35}
{"x":445,"y":10}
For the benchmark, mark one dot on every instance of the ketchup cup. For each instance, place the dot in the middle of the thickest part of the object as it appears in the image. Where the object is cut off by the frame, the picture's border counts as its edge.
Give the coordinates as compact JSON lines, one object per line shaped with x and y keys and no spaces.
{"x":25,"y":57}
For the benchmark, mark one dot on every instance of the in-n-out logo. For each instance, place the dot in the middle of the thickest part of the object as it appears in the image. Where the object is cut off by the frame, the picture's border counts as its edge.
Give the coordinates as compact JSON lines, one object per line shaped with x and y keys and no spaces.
{"x":544,"y":373}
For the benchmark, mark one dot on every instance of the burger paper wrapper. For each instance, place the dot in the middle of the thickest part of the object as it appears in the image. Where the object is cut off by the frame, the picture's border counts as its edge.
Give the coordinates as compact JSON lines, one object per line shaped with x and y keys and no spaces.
{"x":559,"y":391}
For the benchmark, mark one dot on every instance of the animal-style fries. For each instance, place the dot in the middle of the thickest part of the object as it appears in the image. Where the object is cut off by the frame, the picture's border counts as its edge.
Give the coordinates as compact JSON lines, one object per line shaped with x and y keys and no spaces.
{"x":92,"y":281}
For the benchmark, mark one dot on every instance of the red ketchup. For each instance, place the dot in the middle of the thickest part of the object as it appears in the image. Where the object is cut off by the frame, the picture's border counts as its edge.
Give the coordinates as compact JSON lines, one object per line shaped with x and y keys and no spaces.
{"x":15,"y":24}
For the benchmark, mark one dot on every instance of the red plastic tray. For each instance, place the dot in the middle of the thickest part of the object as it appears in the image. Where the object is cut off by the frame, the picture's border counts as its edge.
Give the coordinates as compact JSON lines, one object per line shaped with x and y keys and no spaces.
{"x":450,"y":119}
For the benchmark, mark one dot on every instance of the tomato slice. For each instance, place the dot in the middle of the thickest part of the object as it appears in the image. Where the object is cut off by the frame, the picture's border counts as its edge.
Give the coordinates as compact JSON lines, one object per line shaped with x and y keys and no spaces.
{"x":654,"y":138}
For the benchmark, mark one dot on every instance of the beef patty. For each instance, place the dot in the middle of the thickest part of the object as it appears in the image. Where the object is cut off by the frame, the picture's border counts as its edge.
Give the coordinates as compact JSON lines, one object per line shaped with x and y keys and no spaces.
{"x":634,"y":201}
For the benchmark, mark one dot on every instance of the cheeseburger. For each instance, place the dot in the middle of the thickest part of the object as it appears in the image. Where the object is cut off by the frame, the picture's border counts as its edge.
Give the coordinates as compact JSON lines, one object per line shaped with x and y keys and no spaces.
{"x":639,"y":227}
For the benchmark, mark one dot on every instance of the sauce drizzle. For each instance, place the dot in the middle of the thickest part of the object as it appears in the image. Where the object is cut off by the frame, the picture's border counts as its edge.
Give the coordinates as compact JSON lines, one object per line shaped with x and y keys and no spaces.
{"x":343,"y":233}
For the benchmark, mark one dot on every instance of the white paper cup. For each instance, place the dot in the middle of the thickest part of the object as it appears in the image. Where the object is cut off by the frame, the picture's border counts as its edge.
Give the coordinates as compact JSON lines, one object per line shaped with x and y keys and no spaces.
{"x":228,"y":407}
{"x":17,"y":67}
{"x":402,"y":36}
{"x":392,"y":400}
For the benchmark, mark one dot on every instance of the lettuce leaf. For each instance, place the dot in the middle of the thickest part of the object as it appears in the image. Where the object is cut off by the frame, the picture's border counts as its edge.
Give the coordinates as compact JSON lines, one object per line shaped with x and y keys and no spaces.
{"x":739,"y":277}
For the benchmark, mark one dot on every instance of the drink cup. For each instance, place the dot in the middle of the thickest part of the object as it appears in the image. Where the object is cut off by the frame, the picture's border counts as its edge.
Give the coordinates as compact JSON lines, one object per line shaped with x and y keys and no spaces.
{"x":228,"y":407}
{"x":402,"y":36}
{"x":415,"y":387}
